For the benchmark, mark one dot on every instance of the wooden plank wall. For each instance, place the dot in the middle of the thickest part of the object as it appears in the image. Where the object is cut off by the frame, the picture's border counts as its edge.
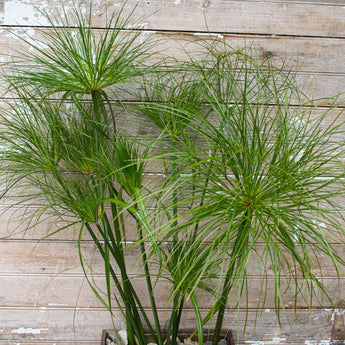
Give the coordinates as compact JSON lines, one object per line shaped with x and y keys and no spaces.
{"x":44,"y":298}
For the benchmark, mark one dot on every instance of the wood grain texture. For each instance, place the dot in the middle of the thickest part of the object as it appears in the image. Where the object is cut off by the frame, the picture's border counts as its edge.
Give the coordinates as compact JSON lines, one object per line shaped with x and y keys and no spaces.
{"x":40,"y":282}
{"x":55,"y":258}
{"x":220,"y":16}
{"x":72,"y":291}
{"x":84,"y":324}
{"x":312,"y":54}
{"x":321,"y":70}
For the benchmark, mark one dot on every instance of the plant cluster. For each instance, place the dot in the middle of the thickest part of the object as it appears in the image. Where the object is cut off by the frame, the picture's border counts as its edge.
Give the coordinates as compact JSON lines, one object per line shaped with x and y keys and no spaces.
{"x":237,"y":175}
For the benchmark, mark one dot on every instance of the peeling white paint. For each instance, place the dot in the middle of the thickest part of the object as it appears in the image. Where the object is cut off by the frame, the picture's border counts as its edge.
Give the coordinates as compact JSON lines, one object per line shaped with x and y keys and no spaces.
{"x":208,"y":34}
{"x":149,"y":32}
{"x":275,"y":341}
{"x":23,"y":330}
{"x":177,"y":2}
{"x":317,"y":342}
{"x":16,"y":33}
{"x":58,"y":305}
{"x":30,"y":32}
{"x":335,"y":312}
{"x":18,"y":12}
{"x":278,"y":339}
{"x":28,"y":36}
{"x":158,"y":174}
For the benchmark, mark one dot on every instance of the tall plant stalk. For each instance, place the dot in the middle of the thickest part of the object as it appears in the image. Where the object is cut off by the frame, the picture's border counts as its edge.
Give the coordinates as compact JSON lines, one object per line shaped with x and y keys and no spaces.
{"x":241,"y":243}
{"x":157,"y":333}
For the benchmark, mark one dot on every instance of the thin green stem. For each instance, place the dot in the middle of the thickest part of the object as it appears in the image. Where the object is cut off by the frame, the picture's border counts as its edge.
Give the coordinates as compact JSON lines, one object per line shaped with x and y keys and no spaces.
{"x":118,"y":251}
{"x":174,"y":317}
{"x":136,"y":303}
{"x":236,"y":251}
{"x":158,"y":334}
{"x":198,"y":318}
{"x":112,"y":272}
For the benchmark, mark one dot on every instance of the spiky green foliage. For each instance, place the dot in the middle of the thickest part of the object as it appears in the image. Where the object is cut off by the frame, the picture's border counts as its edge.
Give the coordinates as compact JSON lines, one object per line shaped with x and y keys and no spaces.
{"x":75,"y":58}
{"x":249,"y":178}
{"x":263,"y":187}
{"x":60,"y":140}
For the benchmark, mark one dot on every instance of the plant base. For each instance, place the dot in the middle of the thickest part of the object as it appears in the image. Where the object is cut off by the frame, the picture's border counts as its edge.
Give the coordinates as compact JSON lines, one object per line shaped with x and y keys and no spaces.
{"x":184,"y":334}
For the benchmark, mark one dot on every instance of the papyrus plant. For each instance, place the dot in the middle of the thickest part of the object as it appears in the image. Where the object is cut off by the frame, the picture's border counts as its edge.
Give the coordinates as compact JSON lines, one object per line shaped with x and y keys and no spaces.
{"x":237,"y":173}
{"x":257,"y":180}
{"x":60,"y":139}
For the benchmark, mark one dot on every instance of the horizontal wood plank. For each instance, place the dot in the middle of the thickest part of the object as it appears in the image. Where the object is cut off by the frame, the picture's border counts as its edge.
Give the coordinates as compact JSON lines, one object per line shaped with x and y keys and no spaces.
{"x":55,"y":257}
{"x":72,"y":291}
{"x":317,"y":86}
{"x":318,"y":59}
{"x":311,"y":54}
{"x":31,"y":326}
{"x":263,"y":17}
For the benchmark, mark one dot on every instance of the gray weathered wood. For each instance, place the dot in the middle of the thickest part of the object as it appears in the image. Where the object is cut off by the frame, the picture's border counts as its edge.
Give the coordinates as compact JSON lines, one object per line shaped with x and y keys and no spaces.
{"x":59,"y":323}
{"x":221,"y":16}
{"x":38,"y":282}
{"x":70,"y":290}
{"x":312,"y":54}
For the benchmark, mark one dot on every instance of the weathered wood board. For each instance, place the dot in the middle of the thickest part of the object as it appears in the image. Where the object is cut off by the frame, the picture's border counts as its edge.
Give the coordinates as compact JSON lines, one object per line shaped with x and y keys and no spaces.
{"x":44,"y":298}
{"x":295,"y":18}
{"x":64,"y":324}
{"x":68,"y":290}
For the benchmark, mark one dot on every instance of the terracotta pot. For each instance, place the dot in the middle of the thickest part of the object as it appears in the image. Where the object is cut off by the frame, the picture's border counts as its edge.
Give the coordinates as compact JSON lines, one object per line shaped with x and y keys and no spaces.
{"x":183,"y":334}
